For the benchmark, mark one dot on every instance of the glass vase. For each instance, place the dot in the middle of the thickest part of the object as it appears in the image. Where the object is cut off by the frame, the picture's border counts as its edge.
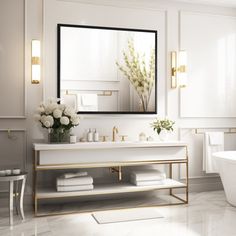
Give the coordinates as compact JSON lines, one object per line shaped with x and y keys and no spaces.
{"x":59,"y":136}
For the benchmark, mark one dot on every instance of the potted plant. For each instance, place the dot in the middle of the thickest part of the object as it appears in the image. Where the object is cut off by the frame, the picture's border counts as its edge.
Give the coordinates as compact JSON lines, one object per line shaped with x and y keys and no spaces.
{"x":58,"y":119}
{"x":163,"y":127}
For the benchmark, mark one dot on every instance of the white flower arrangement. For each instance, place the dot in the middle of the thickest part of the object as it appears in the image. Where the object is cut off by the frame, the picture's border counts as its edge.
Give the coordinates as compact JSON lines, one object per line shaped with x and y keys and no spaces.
{"x":140,"y":75}
{"x":162,"y":124}
{"x":52,"y":115}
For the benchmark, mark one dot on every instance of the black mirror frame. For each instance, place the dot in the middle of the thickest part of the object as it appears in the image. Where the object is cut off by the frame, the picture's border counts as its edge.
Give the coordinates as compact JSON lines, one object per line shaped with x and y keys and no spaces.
{"x":106,"y":28}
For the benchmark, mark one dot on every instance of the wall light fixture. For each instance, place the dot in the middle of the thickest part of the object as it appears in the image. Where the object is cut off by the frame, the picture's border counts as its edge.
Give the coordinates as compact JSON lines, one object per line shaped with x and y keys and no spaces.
{"x":35,"y":62}
{"x":179,"y":69}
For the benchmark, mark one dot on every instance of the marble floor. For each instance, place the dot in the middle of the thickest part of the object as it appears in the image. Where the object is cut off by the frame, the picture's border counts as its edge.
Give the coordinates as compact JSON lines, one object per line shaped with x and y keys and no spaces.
{"x":207,"y":214}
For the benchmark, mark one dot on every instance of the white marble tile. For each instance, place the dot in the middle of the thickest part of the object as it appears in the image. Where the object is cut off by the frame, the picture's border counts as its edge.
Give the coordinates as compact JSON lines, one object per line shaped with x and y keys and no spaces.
{"x":207,"y":214}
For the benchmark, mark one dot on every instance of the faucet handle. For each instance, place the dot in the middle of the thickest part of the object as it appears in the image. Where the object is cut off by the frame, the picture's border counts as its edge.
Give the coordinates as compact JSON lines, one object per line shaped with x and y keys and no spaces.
{"x":104,"y":138}
{"x":123,"y":137}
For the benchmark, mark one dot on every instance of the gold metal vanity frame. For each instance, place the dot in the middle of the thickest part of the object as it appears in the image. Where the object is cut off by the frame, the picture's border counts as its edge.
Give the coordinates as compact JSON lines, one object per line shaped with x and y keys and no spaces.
{"x":115,"y":167}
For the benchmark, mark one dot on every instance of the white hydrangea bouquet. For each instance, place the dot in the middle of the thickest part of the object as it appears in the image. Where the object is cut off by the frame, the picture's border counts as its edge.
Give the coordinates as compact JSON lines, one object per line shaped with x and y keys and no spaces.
{"x":58,"y":119}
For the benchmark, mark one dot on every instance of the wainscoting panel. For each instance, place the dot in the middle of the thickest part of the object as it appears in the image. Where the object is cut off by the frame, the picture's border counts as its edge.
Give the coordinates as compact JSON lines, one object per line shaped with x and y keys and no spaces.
{"x":12,"y":62}
{"x":13,"y":150}
{"x":195,"y":149}
{"x":210,"y":41}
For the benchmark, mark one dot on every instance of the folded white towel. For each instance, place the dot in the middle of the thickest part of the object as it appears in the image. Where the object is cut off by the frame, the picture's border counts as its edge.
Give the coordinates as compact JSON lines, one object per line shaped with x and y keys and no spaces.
{"x":147,"y":183}
{"x":73,"y":175}
{"x":209,"y":165}
{"x":83,"y":180}
{"x":216,"y":138}
{"x":149,"y":174}
{"x":74,"y":188}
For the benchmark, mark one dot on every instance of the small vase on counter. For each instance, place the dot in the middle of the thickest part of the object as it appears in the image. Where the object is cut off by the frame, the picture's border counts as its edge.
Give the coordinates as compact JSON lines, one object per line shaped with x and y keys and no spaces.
{"x":163,"y":135}
{"x":59,"y":136}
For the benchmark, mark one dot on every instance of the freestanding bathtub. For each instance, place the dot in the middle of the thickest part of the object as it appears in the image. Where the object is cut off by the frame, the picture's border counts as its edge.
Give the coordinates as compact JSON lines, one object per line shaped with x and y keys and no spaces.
{"x":226,"y":165}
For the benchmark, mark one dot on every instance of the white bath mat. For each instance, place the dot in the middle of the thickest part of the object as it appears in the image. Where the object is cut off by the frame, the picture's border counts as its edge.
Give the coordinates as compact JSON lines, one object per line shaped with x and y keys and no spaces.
{"x":116,"y":216}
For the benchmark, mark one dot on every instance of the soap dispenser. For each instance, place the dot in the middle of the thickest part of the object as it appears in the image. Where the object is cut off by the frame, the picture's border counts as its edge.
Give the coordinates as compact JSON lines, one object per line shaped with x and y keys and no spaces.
{"x":90,"y":136}
{"x":96,"y":136}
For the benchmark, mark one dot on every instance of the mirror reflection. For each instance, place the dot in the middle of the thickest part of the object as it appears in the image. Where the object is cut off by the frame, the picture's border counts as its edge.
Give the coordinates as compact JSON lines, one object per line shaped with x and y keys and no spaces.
{"x":107,"y":70}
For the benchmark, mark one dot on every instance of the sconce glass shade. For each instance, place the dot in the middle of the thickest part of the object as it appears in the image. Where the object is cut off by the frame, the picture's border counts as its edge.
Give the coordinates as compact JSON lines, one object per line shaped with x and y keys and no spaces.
{"x":35,"y":62}
{"x":179,"y":69}
{"x":182,"y":75}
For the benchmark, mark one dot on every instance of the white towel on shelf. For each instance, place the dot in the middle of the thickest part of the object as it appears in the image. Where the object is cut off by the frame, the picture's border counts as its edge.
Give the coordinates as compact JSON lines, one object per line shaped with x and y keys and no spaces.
{"x":75,"y":188}
{"x":73,"y":175}
{"x":147,"y":183}
{"x":83,"y":180}
{"x":209,"y":147}
{"x":149,"y":175}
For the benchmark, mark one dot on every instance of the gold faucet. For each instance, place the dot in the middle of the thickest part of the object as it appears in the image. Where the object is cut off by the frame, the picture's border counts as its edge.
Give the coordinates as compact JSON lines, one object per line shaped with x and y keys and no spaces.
{"x":114,"y":132}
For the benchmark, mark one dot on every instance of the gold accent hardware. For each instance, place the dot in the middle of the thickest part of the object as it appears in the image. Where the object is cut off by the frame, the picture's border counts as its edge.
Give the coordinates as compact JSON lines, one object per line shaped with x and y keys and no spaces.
{"x":118,"y":171}
{"x":173,"y":70}
{"x":123,"y":137}
{"x":10,"y":135}
{"x":178,"y":69}
{"x":105,"y":93}
{"x":34,"y":81}
{"x":104,"y":138}
{"x":230,"y":130}
{"x":35,"y":60}
{"x":114,"y":132}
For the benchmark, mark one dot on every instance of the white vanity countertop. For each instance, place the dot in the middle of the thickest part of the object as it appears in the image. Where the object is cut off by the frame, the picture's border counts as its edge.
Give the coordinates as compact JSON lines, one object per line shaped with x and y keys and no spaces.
{"x":106,"y":145}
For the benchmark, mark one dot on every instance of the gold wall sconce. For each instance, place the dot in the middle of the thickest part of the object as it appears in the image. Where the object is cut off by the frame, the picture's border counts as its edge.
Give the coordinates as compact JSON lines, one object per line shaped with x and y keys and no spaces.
{"x":35,"y":62}
{"x":179,"y":69}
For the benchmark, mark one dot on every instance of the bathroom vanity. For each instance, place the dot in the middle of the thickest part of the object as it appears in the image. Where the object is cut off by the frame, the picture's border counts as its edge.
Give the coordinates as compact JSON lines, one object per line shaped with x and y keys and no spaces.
{"x":114,"y":155}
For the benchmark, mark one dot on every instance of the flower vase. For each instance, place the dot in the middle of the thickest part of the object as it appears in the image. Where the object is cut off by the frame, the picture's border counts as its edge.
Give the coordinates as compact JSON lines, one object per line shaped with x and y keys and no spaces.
{"x":59,"y":136}
{"x":164,"y":135}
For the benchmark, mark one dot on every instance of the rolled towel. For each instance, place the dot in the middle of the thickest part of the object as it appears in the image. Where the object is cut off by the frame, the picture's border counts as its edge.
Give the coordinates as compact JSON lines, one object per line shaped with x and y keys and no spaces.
{"x":73,"y":175}
{"x":147,"y":183}
{"x":147,"y":175}
{"x":74,"y":188}
{"x":83,"y":180}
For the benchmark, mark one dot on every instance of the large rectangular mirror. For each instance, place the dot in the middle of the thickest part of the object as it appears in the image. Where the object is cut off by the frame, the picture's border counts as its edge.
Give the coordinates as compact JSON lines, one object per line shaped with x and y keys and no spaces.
{"x":107,"y":70}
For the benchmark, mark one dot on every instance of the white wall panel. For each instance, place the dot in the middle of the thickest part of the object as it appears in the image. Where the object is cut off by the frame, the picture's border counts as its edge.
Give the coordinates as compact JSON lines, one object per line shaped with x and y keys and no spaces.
{"x":195,"y":147}
{"x":72,"y":12}
{"x":210,"y":41}
{"x":12,"y":63}
{"x":13,"y":150}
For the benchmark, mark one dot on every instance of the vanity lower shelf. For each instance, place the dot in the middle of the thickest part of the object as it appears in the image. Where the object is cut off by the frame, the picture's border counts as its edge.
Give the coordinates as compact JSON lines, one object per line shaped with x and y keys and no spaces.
{"x":46,"y":193}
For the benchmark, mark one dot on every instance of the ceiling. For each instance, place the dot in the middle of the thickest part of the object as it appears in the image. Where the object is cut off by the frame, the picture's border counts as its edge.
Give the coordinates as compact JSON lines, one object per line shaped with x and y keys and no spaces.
{"x":223,"y":3}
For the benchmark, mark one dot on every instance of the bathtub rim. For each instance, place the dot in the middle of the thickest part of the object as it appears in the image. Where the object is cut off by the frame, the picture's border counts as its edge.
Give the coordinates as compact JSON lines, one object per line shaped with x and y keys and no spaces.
{"x":222,"y":155}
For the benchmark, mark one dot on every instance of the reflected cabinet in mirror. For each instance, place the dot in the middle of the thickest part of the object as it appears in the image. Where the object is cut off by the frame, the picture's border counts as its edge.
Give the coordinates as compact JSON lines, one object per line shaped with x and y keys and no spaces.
{"x":107,"y":70}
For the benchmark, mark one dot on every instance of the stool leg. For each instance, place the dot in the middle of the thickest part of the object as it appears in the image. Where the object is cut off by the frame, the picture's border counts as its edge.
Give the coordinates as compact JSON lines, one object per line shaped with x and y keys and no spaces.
{"x":16,"y":197}
{"x":22,"y":199}
{"x":11,"y":185}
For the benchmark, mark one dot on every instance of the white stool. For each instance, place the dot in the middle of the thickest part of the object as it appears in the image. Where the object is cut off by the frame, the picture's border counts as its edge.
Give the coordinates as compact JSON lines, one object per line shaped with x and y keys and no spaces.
{"x":11,"y":178}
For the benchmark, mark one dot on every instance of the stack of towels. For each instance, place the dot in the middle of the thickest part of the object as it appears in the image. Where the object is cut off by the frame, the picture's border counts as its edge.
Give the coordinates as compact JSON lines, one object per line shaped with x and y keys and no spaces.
{"x":147,"y":177}
{"x":74,"y":182}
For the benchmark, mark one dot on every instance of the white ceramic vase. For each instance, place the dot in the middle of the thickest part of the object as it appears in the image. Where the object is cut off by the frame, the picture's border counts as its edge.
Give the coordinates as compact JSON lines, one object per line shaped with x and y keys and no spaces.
{"x":164,"y":135}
